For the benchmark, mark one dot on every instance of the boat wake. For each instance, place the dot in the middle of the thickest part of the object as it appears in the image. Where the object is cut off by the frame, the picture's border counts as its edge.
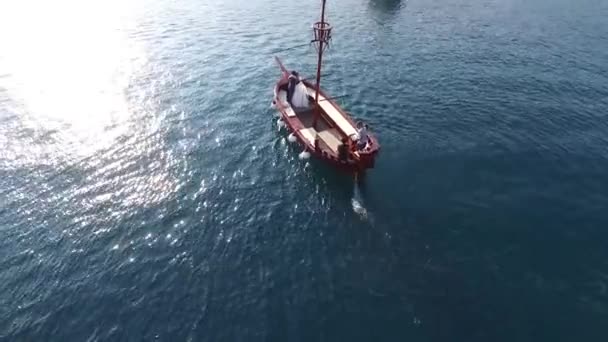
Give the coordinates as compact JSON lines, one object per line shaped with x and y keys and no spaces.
{"x":358,"y":208}
{"x":358,"y":204}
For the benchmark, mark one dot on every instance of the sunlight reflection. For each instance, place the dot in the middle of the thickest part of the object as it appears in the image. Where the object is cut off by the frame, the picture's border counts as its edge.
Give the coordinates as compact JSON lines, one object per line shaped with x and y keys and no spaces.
{"x":67,"y":64}
{"x":76,"y":89}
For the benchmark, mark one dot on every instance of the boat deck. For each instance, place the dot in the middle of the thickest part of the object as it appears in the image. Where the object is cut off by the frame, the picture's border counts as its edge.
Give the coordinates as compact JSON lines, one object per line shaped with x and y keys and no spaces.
{"x":333,"y":113}
{"x":329,"y":137}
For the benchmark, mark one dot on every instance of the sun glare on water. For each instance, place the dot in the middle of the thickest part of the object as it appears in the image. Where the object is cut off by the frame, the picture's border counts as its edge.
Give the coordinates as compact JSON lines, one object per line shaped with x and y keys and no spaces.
{"x":64,"y":67}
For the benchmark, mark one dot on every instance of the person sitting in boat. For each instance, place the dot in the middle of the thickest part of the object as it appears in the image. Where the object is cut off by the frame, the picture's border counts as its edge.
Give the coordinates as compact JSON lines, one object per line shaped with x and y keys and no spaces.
{"x":363,"y":137}
{"x":343,"y":152}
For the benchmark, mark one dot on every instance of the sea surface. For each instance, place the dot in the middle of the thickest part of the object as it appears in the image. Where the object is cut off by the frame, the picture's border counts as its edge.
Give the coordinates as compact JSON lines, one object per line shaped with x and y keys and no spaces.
{"x":148,"y":192}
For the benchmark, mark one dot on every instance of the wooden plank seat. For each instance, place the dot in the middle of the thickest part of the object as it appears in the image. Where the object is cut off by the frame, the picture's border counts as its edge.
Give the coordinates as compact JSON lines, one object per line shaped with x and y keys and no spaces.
{"x":329,"y":137}
{"x":309,"y":134}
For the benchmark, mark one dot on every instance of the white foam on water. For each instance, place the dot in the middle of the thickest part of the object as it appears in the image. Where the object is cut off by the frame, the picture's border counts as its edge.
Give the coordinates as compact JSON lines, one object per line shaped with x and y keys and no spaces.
{"x":358,"y":208}
{"x":357,"y":202}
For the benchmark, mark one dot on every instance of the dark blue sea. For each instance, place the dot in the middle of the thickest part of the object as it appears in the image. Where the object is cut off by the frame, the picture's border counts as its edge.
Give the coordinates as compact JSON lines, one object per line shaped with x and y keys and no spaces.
{"x":149,"y":193}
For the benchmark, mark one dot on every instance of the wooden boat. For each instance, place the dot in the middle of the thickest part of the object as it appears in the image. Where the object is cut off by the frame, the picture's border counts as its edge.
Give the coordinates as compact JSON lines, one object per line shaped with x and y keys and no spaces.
{"x":318,"y":123}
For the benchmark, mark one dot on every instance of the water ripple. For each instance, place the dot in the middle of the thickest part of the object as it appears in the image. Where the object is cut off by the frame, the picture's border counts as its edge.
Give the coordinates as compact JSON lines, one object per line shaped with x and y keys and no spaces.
{"x":142,"y":171}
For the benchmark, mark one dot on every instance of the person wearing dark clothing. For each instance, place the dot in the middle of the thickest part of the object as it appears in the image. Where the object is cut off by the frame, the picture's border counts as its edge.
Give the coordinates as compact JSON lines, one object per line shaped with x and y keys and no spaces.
{"x":291,"y":85}
{"x":343,"y":150}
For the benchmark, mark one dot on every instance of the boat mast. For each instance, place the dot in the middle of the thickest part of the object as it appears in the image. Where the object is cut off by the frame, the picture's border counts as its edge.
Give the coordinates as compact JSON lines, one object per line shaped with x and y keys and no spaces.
{"x":322,"y":36}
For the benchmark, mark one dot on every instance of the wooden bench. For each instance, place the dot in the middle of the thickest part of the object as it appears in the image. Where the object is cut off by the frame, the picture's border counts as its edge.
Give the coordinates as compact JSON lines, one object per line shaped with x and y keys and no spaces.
{"x":309,"y":134}
{"x":327,"y":136}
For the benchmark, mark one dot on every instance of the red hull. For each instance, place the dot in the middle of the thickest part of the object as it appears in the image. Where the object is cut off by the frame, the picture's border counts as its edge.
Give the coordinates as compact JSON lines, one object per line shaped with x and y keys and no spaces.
{"x":359,"y":160}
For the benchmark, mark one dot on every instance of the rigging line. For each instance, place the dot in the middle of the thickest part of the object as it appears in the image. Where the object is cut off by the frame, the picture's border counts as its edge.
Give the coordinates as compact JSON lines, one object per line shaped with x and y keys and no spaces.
{"x":311,"y":78}
{"x":290,"y":48}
